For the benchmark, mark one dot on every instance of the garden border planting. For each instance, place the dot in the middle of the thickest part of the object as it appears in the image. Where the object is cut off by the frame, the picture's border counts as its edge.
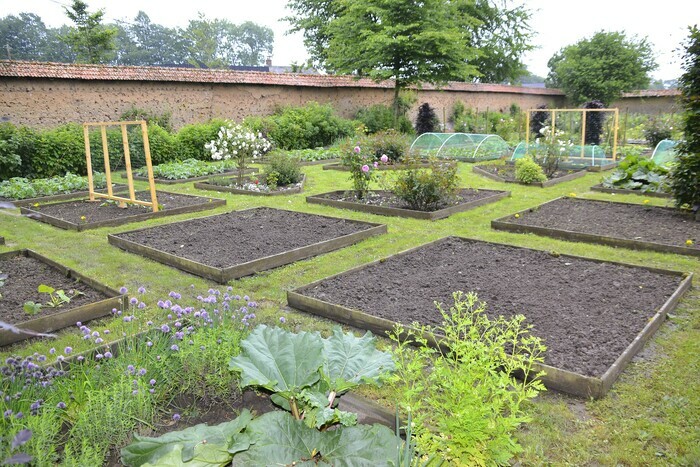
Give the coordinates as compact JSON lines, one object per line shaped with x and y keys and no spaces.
{"x":506,"y":223}
{"x":620,"y":191}
{"x":224,"y":274}
{"x":116,"y":188}
{"x":343,"y":168}
{"x":555,"y":378}
{"x":405,"y":212}
{"x":63,"y":318}
{"x":554,"y":181}
{"x":227,"y":189}
{"x":207,"y":203}
{"x":167,"y":181}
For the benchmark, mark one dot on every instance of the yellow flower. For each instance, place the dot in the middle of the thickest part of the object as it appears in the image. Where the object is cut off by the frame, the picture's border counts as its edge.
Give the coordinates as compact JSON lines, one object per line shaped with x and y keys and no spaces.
{"x":82,"y":218}
{"x":517,"y":215}
{"x":36,"y":205}
{"x":646,"y":201}
{"x":689,"y":242}
{"x":572,"y":194}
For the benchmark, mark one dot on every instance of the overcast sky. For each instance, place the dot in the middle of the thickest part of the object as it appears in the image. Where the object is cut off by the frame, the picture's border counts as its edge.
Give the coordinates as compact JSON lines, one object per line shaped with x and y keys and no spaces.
{"x":557,"y":22}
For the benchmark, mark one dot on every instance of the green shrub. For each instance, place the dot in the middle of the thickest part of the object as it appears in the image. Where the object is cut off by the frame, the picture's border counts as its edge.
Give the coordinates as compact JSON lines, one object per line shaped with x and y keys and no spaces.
{"x":528,"y":171}
{"x":426,"y":121}
{"x":163,"y":145}
{"x":637,"y":173}
{"x":60,"y":150}
{"x":426,"y":189}
{"x":380,"y":118}
{"x":311,"y":126}
{"x":656,"y":131}
{"x":192,"y":138}
{"x":463,"y":397}
{"x":285,"y":168}
{"x":10,"y":160}
{"x":390,"y":143}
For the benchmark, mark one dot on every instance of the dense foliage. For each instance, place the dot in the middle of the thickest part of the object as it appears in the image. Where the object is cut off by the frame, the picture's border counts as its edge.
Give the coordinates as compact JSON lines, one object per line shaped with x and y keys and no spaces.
{"x":282,"y":169}
{"x":203,"y":43}
{"x":538,"y":120}
{"x":594,"y":122}
{"x":188,"y":168}
{"x":638,"y":173}
{"x":602,"y":67}
{"x":23,"y":188}
{"x":685,"y":177}
{"x":473,"y":417}
{"x":389,"y":143}
{"x":656,"y":131}
{"x":528,"y":171}
{"x":427,"y":121}
{"x":426,"y":189}
{"x":380,"y":117}
{"x":500,"y":32}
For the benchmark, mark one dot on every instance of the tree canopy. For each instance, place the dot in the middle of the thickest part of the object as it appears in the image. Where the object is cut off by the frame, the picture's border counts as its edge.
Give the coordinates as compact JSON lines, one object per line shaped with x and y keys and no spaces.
{"x":493,"y":36}
{"x":602,"y":67}
{"x":205,"y":42}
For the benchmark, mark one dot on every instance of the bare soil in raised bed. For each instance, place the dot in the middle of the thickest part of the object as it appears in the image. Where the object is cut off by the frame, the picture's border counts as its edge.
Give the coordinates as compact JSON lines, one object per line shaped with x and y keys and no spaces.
{"x":102,"y":209}
{"x":587,"y":312}
{"x":25,"y":275}
{"x":621,"y":220}
{"x":390,"y":200}
{"x":241,"y":236}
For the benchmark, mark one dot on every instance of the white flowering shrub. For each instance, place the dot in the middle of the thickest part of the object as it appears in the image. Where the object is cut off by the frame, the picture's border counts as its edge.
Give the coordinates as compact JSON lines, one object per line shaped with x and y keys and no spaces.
{"x":238,"y":143}
{"x":550,"y":147}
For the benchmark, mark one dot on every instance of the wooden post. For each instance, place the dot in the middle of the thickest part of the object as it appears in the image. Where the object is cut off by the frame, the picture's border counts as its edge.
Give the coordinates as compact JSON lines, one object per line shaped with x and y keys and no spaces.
{"x":617,"y":121}
{"x":88,"y":160}
{"x":105,"y":150}
{"x":624,"y":134}
{"x":127,"y":163}
{"x":527,"y":129}
{"x":583,"y":134}
{"x":149,"y":166}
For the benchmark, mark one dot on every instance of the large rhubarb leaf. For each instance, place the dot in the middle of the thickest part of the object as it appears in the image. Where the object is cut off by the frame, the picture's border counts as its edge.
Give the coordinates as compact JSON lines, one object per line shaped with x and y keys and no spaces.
{"x":350,"y":360}
{"x":279,"y":361}
{"x":194,"y":444}
{"x":282,"y":440}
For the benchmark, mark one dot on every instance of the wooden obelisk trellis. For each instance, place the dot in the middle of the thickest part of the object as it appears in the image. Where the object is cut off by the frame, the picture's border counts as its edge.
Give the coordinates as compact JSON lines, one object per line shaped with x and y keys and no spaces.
{"x":127,"y":162}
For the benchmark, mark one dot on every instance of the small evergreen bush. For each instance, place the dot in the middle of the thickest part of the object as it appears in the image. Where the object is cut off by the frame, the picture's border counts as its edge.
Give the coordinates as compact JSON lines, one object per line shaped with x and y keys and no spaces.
{"x":528,"y":171}
{"x":286,"y":169}
{"x":192,"y":138}
{"x":427,"y":121}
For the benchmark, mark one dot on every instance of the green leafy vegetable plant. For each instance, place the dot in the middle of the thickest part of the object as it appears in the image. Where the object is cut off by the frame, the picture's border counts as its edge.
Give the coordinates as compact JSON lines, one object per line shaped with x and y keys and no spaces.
{"x":465,"y":402}
{"x":528,"y":171}
{"x":56,"y":299}
{"x":637,"y":173}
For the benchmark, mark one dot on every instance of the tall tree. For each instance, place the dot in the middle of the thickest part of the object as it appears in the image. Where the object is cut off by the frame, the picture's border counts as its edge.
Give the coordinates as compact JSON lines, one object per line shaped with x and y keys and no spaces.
{"x":254,"y":44}
{"x":91,"y":41}
{"x":142,"y":42}
{"x":22,"y":37}
{"x":497,"y":33}
{"x":411,"y":42}
{"x":602,"y":67}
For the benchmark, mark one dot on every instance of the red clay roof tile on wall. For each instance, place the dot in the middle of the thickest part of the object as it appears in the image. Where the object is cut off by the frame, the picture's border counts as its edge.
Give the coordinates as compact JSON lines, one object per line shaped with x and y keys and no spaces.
{"x":21,"y":69}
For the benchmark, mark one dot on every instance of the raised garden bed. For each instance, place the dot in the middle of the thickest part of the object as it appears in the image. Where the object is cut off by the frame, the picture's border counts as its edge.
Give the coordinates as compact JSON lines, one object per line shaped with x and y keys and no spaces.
{"x":506,"y":174}
{"x":387,"y":204}
{"x":232,"y":187}
{"x":116,"y":188}
{"x":84,"y":214}
{"x":627,"y":225}
{"x":168,"y":181}
{"x":240,"y":243}
{"x":26,"y":271}
{"x":340,"y":166}
{"x":594,"y":316}
{"x":620,"y":191}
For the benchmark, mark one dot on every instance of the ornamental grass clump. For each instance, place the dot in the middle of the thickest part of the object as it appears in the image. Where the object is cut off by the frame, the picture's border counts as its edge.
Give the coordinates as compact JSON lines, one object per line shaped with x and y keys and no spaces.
{"x":461,"y":393}
{"x":240,"y":144}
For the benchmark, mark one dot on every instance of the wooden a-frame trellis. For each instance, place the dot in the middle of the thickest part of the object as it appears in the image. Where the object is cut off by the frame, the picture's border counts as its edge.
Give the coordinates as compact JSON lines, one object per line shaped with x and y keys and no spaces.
{"x":127,"y":162}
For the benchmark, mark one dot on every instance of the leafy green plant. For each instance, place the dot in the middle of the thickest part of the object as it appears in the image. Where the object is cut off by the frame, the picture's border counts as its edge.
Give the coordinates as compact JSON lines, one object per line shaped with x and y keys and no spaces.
{"x":549,"y":149}
{"x":362,"y":170}
{"x":188,"y":168}
{"x":284,"y":169}
{"x":426,"y":189}
{"x":56,"y":299}
{"x":306,"y":374}
{"x":22,"y":188}
{"x":637,"y":173}
{"x":656,"y":131}
{"x":465,"y":402}
{"x":163,"y":120}
{"x":191,"y":139}
{"x":528,"y":171}
{"x":380,"y":118}
{"x":390,"y":143}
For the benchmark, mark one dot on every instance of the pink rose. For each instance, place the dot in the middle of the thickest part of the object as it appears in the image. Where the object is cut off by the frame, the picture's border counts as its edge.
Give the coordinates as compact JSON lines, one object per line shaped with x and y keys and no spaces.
{"x":376,"y":164}
{"x":384,"y":159}
{"x":357,"y":149}
{"x":365,"y":168}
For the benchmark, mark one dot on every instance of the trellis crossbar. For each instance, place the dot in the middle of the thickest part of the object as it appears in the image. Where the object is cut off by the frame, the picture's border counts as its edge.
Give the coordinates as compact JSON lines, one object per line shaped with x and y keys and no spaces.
{"x":127,"y":162}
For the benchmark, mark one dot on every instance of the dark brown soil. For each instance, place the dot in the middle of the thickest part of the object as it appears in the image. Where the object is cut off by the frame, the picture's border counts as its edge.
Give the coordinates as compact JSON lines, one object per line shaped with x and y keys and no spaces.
{"x":620,"y":220}
{"x":388,"y":199}
{"x":587,"y":312}
{"x":24,"y":276}
{"x":238,"y":237}
{"x":507,"y":172}
{"x":102,"y":210}
{"x":116,"y":188}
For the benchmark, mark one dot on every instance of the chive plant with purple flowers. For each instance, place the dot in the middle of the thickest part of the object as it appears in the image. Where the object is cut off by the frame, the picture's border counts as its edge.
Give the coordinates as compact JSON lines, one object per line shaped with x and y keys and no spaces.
{"x":88,"y":401}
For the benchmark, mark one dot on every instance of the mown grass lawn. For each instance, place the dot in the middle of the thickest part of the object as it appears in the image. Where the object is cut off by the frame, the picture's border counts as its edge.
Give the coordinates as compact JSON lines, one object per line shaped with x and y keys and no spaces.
{"x":650,"y":417}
